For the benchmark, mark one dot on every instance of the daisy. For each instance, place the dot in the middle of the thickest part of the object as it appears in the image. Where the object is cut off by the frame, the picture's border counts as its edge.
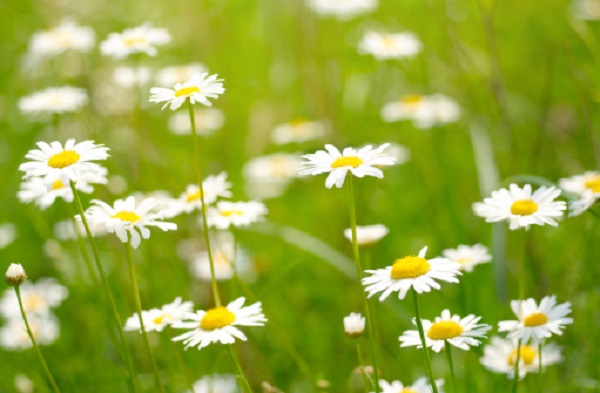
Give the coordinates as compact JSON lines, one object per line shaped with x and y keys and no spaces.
{"x":421,"y":385}
{"x":424,"y":111}
{"x":520,"y":207}
{"x":342,"y":9}
{"x":39,"y":299}
{"x":536,"y":322}
{"x":70,"y":163}
{"x":367,"y":235}
{"x":8,"y":234}
{"x":141,"y":39}
{"x":44,"y":328}
{"x":468,"y":256}
{"x":389,"y":46}
{"x":128,"y":77}
{"x":411,"y":272}
{"x":585,"y":202}
{"x":268,"y":176}
{"x":227,"y":259}
{"x":127,"y":219}
{"x":64,"y":37}
{"x":156,"y":319}
{"x":218,"y":325}
{"x":171,"y":76}
{"x":360,"y":163}
{"x":582,"y":184}
{"x":226,"y":214}
{"x":297,"y":131}
{"x":54,"y":100}
{"x":216,"y":383}
{"x":199,"y":88}
{"x":208,"y":120}
{"x":214,"y":186}
{"x":354,"y":325}
{"x":500,"y":356}
{"x":399,"y":152}
{"x":460,"y":332}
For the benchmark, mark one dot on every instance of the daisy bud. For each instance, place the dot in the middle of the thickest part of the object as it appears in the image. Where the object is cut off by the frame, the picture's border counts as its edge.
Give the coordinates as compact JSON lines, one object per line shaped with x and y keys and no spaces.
{"x":15,"y":275}
{"x":354,"y":325}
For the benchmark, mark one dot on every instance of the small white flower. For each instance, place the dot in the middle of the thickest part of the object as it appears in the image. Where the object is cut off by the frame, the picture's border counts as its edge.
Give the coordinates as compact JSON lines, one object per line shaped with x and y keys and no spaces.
{"x":208,"y":120}
{"x":522,"y":208}
{"x":226,"y":258}
{"x":199,"y":88}
{"x":141,"y":39}
{"x":268,"y":176}
{"x":216,"y":383}
{"x":368,"y":234}
{"x":53,"y":162}
{"x":354,"y":324}
{"x":218,"y":325}
{"x":54,"y":100}
{"x":460,"y":332}
{"x":342,"y":9}
{"x":500,"y":356}
{"x":214,"y":187}
{"x":128,"y":77}
{"x":468,"y":256}
{"x":38,"y":298}
{"x":64,"y":37}
{"x":127,"y":219}
{"x":537,"y":323}
{"x":424,"y":111}
{"x":384,"y":46}
{"x":585,"y":202}
{"x":581,"y":185}
{"x":156,"y":319}
{"x":399,"y":152}
{"x":14,"y":337}
{"x":297,"y":131}
{"x":411,"y":272}
{"x":359,"y":163}
{"x":421,"y":385}
{"x":171,"y":76}
{"x":226,"y":214}
{"x":8,"y":234}
{"x":15,"y":274}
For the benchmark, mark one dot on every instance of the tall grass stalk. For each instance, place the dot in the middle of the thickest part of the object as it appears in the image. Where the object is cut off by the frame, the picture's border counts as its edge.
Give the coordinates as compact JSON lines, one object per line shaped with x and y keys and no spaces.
{"x":424,"y":343}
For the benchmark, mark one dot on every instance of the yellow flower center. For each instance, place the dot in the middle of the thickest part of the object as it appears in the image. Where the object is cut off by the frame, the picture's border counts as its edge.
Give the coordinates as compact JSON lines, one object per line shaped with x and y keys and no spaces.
{"x":229,"y":213}
{"x":444,"y":330}
{"x":352,"y":161}
{"x":126,"y":216}
{"x":57,"y":185}
{"x":388,"y":41}
{"x":216,"y":318}
{"x":33,"y":302}
{"x":412,"y":99}
{"x":465,"y":260}
{"x":535,"y":319}
{"x":593,"y":183}
{"x":528,"y":355}
{"x":131,"y":41}
{"x":408,"y":390}
{"x":193,"y":196}
{"x":63,"y":159}
{"x":160,"y":319}
{"x":187,"y":91}
{"x":524,"y":207}
{"x":409,"y":267}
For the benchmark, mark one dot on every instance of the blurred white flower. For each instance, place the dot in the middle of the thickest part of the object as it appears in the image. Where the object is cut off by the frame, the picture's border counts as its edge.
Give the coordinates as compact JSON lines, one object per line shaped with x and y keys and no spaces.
{"x":354,"y":324}
{"x":172,"y":76}
{"x":8,"y":234}
{"x":399,"y":152}
{"x":38,"y":299}
{"x":23,"y":384}
{"x":586,"y":201}
{"x":208,"y":120}
{"x":226,"y":214}
{"x":216,"y":383}
{"x":226,"y":258}
{"x":268,"y":176}
{"x":368,"y":234}
{"x":156,"y":319}
{"x":14,"y":337}
{"x":128,"y":77}
{"x":421,"y":385}
{"x":586,"y":9}
{"x":214,"y":187}
{"x":64,"y":37}
{"x":424,"y":111}
{"x":199,"y":88}
{"x":468,"y":256}
{"x":384,"y":46}
{"x":141,"y":39}
{"x":342,"y":9}
{"x":54,"y":100}
{"x":297,"y":131}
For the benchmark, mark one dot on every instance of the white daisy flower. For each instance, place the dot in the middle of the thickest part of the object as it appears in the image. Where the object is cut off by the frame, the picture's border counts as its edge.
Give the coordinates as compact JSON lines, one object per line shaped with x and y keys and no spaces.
{"x":218,"y":325}
{"x":500,"y":356}
{"x":208,"y":120}
{"x":360,"y":163}
{"x":54,"y":100}
{"x":585,"y":202}
{"x":468,"y":256}
{"x":384,"y":46}
{"x":421,"y":385}
{"x":226,"y":214}
{"x":64,"y":37}
{"x":368,"y":234}
{"x":38,"y":298}
{"x":354,"y":324}
{"x":14,"y":337}
{"x":199,"y":88}
{"x":537,"y":323}
{"x":216,"y":383}
{"x":268,"y":176}
{"x":460,"y":332}
{"x":156,"y":319}
{"x":65,"y":230}
{"x":520,"y":207}
{"x":69,"y":163}
{"x":128,"y":77}
{"x":297,"y":131}
{"x":399,"y":152}
{"x":342,"y":9}
{"x":214,"y":186}
{"x":141,"y":39}
{"x":227,"y":258}
{"x":8,"y":234}
{"x":172,"y":76}
{"x":127,"y":217}
{"x":411,"y":272}
{"x":581,"y":185}
{"x":424,"y":111}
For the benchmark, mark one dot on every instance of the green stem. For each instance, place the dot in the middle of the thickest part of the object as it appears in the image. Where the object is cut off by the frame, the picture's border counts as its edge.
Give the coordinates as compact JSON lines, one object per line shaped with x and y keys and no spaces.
{"x":516,"y":374}
{"x":204,"y":221}
{"x":450,"y":363}
{"x":84,"y":253}
{"x":371,"y":331}
{"x":361,"y":365}
{"x":540,"y":379}
{"x":138,"y":306}
{"x":182,"y":364}
{"x":117,"y":318}
{"x":238,"y":367}
{"x":37,"y":349}
{"x":424,"y":343}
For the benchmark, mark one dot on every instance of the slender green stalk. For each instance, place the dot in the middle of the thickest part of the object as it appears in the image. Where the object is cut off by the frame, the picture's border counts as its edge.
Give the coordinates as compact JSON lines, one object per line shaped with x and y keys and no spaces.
{"x":451,"y":364}
{"x":37,"y":349}
{"x":138,"y":306}
{"x":204,"y":221}
{"x":84,"y":253}
{"x":424,"y":343}
{"x":361,"y":365}
{"x":540,"y":379}
{"x":516,"y":374}
{"x":371,"y":332}
{"x":182,"y":365}
{"x":117,"y":318}
{"x":238,"y":367}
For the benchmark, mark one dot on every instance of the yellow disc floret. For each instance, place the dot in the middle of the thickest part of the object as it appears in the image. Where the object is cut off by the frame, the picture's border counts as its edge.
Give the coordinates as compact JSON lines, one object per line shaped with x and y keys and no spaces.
{"x":409,"y":267}
{"x":193,"y":196}
{"x":126,"y":216}
{"x":593,"y":183}
{"x":535,"y":319}
{"x":187,"y":91}
{"x":228,"y":213}
{"x":57,"y":185}
{"x":444,"y":330}
{"x":524,"y":207}
{"x":528,"y":355}
{"x":216,"y":318}
{"x":352,"y":161}
{"x":63,"y":159}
